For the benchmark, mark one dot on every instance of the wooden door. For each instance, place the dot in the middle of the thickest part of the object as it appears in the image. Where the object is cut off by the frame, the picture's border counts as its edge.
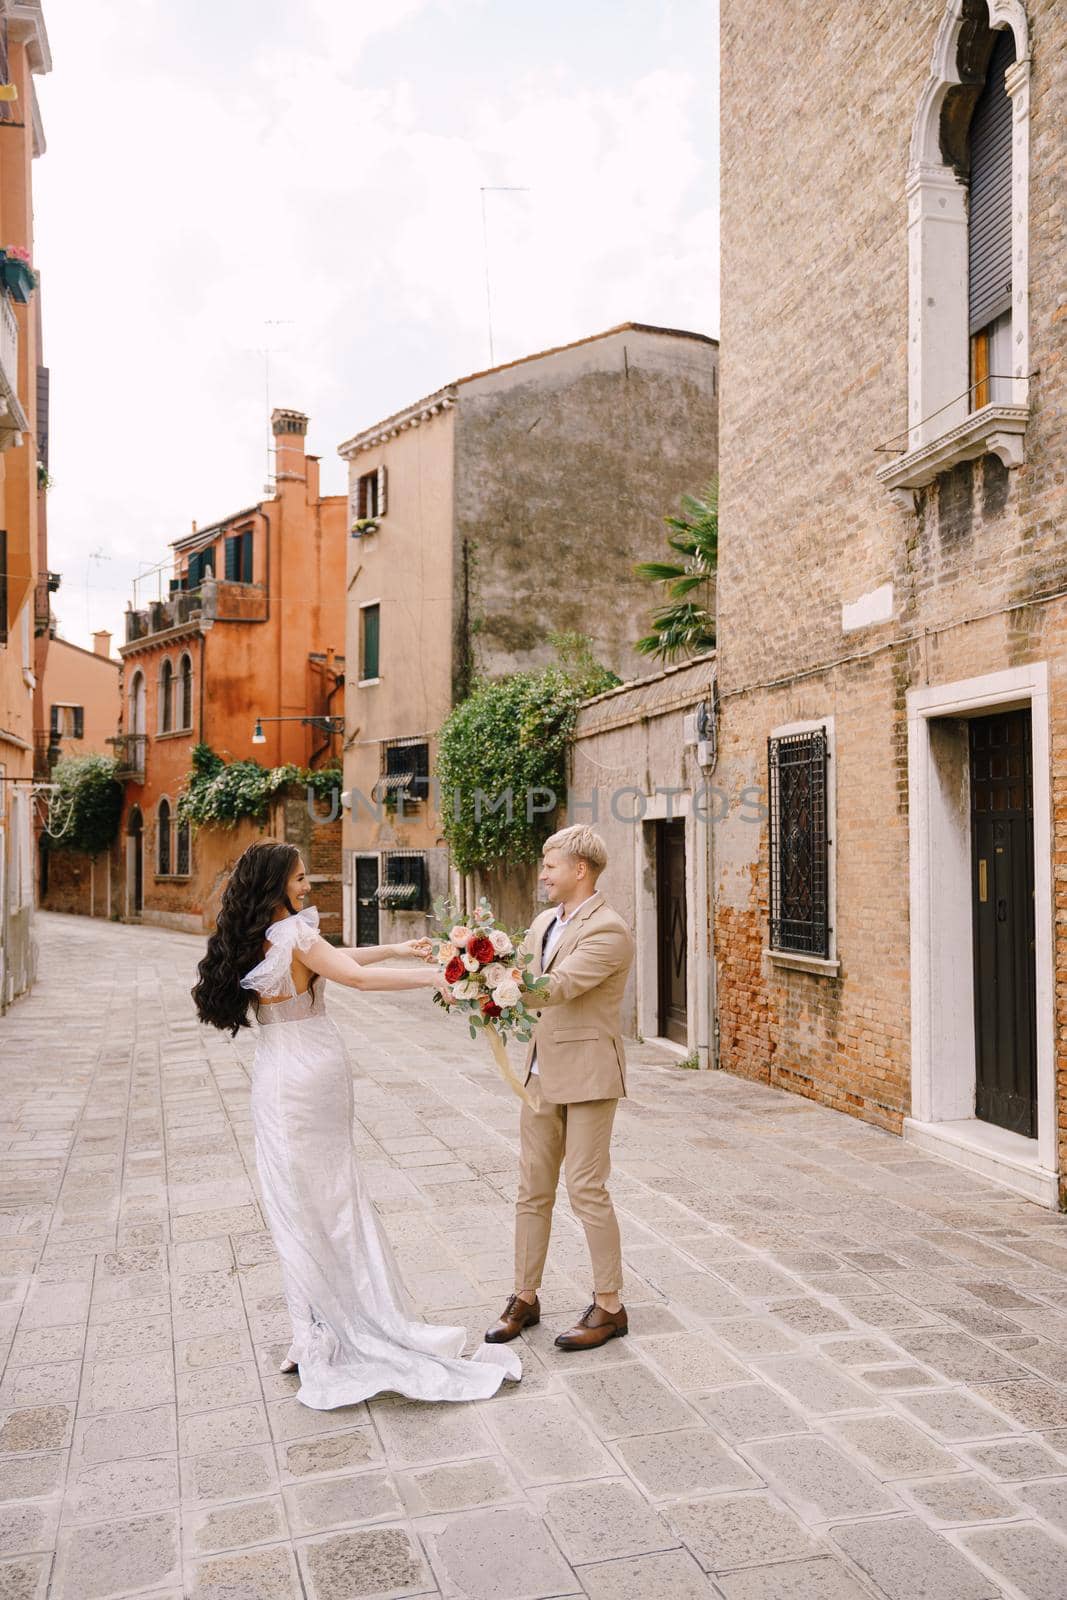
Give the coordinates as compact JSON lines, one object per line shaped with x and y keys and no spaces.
{"x":366,"y":900}
{"x":1002,"y":856}
{"x":672,"y":940}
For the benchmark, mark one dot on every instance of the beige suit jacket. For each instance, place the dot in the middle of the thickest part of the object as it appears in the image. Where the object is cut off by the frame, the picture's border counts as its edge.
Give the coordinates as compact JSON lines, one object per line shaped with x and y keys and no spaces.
{"x":579,"y":1047}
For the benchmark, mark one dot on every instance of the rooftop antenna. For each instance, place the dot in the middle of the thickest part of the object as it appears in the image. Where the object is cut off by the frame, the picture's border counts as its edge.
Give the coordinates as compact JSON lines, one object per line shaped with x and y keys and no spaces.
{"x":94,"y":555}
{"x":270,"y":322}
{"x":502,"y":188}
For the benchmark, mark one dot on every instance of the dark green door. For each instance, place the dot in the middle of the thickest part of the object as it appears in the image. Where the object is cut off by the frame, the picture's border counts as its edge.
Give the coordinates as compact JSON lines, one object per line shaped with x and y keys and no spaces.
{"x":1002,"y":887}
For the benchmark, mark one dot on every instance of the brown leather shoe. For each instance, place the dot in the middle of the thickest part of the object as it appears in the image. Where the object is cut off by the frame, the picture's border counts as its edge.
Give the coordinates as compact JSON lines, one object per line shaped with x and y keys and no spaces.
{"x":595,"y":1327}
{"x":517,"y":1314}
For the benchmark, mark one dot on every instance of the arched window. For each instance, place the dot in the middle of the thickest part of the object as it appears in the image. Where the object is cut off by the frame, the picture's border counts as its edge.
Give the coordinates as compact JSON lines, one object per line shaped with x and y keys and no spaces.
{"x":185,"y":691}
{"x":182,"y":865}
{"x":163,"y":837}
{"x":136,"y":704}
{"x":968,"y":248}
{"x":166,"y":696}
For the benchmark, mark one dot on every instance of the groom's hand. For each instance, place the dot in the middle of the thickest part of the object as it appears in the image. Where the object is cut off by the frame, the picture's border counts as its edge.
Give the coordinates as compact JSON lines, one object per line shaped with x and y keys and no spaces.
{"x":421,"y":948}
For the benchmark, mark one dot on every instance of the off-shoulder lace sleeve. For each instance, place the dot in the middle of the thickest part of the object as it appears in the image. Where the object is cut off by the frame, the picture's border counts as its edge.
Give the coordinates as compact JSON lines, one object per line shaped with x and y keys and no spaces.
{"x":273,"y":977}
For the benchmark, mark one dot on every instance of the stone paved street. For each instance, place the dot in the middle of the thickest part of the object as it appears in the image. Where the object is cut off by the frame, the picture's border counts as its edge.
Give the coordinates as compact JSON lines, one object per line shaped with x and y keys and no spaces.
{"x":846,"y":1376}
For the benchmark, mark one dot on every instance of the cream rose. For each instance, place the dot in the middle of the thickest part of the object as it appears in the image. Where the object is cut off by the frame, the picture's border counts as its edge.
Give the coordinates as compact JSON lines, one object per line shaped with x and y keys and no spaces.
{"x":494,"y":973}
{"x":470,"y":963}
{"x":465,"y":989}
{"x":445,"y":951}
{"x":500,"y":942}
{"x":506,"y":993}
{"x":459,"y":934}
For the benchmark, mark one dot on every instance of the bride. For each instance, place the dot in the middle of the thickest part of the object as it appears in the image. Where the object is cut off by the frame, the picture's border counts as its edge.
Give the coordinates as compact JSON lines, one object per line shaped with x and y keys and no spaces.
{"x":354,"y":1334}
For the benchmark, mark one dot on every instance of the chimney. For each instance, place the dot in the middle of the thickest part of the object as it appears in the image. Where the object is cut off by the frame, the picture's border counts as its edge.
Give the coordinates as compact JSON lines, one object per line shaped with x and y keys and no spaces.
{"x":102,"y":642}
{"x":289,"y":429}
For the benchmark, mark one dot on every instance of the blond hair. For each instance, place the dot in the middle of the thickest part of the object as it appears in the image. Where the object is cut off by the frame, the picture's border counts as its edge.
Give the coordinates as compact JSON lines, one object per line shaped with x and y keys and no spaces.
{"x":581,"y":842}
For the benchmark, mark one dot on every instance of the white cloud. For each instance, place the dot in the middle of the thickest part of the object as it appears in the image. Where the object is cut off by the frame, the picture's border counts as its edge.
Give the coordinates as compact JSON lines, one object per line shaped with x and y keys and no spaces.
{"x":215,"y":168}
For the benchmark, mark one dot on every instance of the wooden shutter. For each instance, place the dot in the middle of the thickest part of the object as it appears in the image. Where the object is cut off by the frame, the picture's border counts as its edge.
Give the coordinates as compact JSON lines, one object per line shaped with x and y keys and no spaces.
{"x":54,"y":723}
{"x":42,"y":416}
{"x":246,"y":556}
{"x":371,"y":641}
{"x":989,"y":213}
{"x":232,"y":570}
{"x":79,"y":722}
{"x":381,"y":491}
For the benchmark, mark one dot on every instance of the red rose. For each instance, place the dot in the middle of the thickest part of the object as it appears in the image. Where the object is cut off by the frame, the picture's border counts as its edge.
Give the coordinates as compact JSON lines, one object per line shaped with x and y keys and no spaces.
{"x":490,"y":1008}
{"x":455,"y":970}
{"x":481,"y":949}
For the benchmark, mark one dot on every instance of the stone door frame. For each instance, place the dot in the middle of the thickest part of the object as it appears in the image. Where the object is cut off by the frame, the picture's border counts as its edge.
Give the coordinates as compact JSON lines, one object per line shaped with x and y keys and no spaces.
{"x":942,"y":985}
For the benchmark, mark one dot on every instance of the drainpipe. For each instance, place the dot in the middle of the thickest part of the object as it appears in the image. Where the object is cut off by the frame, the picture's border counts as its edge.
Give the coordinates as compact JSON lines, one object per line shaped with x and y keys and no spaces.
{"x":711,"y":737}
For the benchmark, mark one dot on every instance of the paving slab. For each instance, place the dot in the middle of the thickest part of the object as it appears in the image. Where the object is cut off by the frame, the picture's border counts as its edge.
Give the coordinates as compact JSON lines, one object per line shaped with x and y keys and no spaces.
{"x":848,"y":1382}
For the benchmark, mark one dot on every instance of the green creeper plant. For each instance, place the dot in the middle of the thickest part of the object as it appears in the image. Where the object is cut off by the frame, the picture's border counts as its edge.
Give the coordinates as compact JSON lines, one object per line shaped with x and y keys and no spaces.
{"x":85,"y":806}
{"x":503,"y":751}
{"x":220,"y":793}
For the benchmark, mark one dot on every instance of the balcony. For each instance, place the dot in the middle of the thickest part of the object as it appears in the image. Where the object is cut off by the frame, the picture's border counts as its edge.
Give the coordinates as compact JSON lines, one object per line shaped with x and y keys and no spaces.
{"x":216,"y":600}
{"x":46,"y":752}
{"x":13,"y":423}
{"x":47,"y":584}
{"x":130,"y":755}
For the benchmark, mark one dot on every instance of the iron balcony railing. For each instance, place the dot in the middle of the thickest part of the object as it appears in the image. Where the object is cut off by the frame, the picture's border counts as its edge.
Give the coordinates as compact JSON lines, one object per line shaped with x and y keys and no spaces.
{"x":130,"y":750}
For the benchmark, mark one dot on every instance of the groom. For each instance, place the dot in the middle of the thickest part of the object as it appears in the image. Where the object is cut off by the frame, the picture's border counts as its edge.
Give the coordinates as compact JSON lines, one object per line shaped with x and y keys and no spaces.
{"x":575,"y":1077}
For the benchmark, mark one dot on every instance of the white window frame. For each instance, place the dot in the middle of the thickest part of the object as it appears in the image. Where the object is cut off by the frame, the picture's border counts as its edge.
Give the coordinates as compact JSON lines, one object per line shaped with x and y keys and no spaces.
{"x":942,"y":429}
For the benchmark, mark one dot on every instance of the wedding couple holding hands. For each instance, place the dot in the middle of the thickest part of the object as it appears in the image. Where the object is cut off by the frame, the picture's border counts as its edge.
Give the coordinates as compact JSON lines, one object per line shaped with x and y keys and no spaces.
{"x":354,"y":1333}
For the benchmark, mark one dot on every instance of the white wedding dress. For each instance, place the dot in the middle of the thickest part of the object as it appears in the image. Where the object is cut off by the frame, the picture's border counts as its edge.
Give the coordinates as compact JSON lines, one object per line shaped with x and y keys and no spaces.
{"x":354,"y":1334}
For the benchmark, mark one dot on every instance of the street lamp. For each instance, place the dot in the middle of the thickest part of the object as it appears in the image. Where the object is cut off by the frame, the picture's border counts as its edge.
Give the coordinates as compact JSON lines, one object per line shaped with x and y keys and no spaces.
{"x":326,"y":725}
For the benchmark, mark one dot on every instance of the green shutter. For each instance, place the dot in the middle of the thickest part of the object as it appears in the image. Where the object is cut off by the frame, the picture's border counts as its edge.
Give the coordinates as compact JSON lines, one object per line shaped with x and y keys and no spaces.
{"x":371,"y":639}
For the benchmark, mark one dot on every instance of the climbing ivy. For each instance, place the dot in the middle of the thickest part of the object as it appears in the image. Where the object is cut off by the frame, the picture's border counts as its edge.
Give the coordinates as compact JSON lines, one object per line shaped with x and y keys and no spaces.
{"x":85,"y":807}
{"x":220,"y":793}
{"x":502,"y":754}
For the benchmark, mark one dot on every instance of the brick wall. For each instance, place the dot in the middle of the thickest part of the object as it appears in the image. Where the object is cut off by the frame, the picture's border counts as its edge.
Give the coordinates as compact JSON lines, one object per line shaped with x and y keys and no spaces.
{"x":814,"y":379}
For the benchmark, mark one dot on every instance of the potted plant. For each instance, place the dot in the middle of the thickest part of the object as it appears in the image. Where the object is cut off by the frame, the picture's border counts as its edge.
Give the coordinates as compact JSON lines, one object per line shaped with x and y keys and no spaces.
{"x":16,"y":273}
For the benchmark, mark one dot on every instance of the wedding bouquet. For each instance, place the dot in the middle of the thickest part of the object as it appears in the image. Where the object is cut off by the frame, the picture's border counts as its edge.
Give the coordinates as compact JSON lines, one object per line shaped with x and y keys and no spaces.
{"x":488,"y":975}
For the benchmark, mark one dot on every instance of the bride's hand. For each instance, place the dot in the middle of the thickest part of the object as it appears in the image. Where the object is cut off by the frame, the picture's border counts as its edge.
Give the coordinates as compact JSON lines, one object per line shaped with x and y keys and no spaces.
{"x":444,"y":990}
{"x":422,"y":948}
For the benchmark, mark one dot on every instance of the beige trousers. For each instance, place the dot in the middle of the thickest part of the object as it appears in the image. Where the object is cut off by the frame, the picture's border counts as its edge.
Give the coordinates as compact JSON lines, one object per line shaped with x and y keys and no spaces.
{"x":578,"y":1138}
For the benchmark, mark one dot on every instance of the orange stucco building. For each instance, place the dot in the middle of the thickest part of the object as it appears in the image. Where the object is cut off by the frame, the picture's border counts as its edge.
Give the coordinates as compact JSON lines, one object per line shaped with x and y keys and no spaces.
{"x":249,"y":627}
{"x":23,"y":52}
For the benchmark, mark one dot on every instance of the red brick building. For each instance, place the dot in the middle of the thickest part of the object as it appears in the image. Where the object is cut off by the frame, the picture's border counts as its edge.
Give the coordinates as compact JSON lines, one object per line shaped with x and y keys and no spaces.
{"x":893,"y":579}
{"x":244,"y":652}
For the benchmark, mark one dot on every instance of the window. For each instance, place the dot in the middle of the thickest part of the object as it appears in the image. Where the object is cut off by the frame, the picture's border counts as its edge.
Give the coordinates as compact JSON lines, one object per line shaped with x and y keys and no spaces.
{"x":3,"y":586}
{"x":370,"y":494}
{"x":136,"y":722}
{"x":163,"y":837}
{"x":989,"y":273}
{"x":166,"y":696}
{"x":201,"y":565}
{"x":405,"y":881}
{"x":185,"y":691}
{"x":405,"y":771}
{"x":68,"y":722}
{"x":238,"y":557}
{"x":967,"y":188}
{"x":369,"y":640}
{"x":799,"y":843}
{"x":184,"y":852}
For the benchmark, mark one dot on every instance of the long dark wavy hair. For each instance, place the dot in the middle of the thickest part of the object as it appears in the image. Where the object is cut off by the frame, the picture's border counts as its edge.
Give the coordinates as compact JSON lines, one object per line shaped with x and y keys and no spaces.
{"x":250,"y":900}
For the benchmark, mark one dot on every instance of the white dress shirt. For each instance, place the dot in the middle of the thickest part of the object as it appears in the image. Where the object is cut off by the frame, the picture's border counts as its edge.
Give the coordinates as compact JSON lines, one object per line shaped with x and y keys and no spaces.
{"x":553,"y":935}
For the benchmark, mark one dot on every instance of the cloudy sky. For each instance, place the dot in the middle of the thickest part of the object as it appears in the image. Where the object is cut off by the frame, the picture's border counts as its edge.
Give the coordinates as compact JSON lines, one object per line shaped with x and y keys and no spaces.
{"x":228,"y":176}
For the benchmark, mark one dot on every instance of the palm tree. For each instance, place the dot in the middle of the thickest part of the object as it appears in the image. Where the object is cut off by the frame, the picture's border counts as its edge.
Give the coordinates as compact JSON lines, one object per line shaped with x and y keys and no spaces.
{"x":686,"y":626}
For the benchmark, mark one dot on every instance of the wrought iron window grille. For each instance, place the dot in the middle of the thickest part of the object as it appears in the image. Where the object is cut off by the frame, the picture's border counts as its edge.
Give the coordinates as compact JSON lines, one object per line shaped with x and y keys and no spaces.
{"x":799,"y":843}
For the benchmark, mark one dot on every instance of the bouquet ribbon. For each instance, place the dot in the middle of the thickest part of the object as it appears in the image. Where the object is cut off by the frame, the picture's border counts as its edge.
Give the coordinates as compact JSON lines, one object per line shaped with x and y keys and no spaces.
{"x":500,"y":1056}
